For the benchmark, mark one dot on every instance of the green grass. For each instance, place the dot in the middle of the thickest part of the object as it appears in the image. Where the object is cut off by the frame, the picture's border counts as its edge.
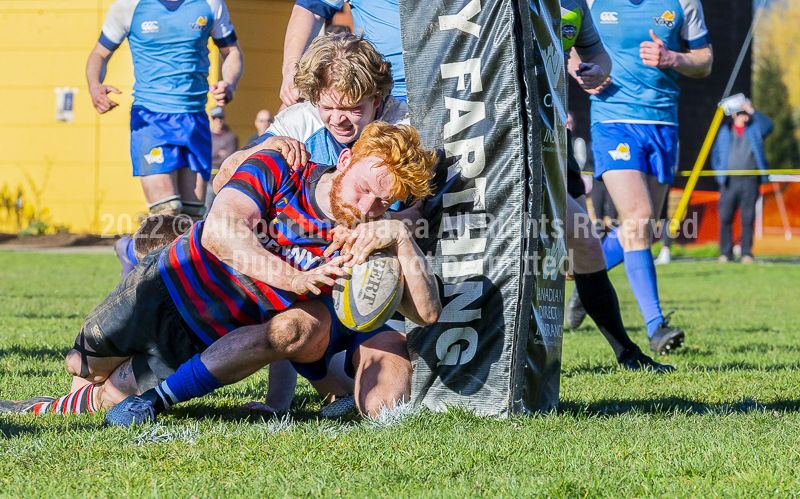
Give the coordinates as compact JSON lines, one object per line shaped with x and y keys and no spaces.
{"x":710,"y":250}
{"x":725,"y":425}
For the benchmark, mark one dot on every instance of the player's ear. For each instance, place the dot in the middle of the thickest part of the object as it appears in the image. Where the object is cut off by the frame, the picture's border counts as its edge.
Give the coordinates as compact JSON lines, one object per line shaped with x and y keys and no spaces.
{"x":345,"y":157}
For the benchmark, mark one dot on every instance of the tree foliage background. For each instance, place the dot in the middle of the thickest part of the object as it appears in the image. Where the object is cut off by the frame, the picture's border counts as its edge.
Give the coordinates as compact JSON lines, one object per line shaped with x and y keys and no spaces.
{"x":771,"y":96}
{"x":776,"y":80}
{"x":777,"y":32}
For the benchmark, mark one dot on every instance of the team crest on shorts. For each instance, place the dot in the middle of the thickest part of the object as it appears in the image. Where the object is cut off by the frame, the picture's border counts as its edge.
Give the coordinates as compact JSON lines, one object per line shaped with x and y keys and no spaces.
{"x":621,"y":153}
{"x":156,"y":156}
{"x":666,"y":19}
{"x":200,"y":24}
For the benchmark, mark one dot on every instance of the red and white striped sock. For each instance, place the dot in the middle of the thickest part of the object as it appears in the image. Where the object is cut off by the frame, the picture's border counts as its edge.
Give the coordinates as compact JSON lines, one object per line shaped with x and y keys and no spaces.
{"x":77,"y":402}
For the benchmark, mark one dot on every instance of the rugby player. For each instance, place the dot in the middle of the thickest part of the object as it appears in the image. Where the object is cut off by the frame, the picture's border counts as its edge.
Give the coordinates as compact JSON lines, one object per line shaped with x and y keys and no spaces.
{"x":345,"y":84}
{"x":635,"y":130}
{"x":377,"y":20}
{"x":590,"y":66}
{"x":170,"y":133}
{"x":167,"y":324}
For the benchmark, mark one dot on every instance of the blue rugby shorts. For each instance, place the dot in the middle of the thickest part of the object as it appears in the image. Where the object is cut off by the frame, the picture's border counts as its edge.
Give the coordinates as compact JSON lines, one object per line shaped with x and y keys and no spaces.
{"x":165,"y":142}
{"x":652,"y":149}
{"x":343,"y":339}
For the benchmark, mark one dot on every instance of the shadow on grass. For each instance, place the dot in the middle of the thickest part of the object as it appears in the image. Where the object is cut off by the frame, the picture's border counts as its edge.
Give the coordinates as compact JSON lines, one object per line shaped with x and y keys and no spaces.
{"x":569,"y":372}
{"x":235,"y":413}
{"x":690,"y":274}
{"x":742,"y":366}
{"x":692,"y":351}
{"x":18,"y":425}
{"x":764,"y":348}
{"x":672,"y":406}
{"x":11,"y":429}
{"x":35,"y":352}
{"x":305,"y":407}
{"x":52,"y":315}
{"x":31,"y":372}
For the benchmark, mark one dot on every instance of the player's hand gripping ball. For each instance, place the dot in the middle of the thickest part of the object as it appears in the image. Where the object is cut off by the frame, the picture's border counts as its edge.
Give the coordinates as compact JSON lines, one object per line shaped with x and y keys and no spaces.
{"x":368,"y":294}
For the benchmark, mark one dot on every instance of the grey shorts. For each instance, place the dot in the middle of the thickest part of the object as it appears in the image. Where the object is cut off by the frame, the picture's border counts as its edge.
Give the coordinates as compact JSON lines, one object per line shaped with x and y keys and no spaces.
{"x":139,"y":320}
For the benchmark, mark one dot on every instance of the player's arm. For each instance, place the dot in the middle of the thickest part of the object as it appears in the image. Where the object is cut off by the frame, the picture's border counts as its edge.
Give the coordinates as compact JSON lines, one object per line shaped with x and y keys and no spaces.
{"x":421,"y":302}
{"x":232,"y":69}
{"x":228,"y":235}
{"x":590,"y":70}
{"x":696,"y":63}
{"x":224,"y":37}
{"x":589,"y":62}
{"x":292,"y":150}
{"x":302,"y":28}
{"x":114,"y":31}
{"x":96,"y":74}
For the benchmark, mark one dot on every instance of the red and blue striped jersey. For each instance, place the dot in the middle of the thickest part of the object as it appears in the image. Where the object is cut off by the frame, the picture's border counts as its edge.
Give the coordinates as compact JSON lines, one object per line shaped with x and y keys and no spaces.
{"x":212,"y":297}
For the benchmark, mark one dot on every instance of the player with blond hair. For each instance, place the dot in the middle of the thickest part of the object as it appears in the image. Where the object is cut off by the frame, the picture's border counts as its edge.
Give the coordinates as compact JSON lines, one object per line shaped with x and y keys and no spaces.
{"x":346,"y":85}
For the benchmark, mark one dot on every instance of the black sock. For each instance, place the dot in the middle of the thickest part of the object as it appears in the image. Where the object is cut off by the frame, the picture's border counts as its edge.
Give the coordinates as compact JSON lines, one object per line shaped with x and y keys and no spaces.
{"x":600,"y":301}
{"x":158,"y":398}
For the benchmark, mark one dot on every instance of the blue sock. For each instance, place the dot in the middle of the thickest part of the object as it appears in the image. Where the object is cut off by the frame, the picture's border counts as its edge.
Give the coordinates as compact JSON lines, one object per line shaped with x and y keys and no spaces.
{"x":130,"y":253}
{"x":613,"y":250}
{"x":191,"y":380}
{"x":641,"y":273}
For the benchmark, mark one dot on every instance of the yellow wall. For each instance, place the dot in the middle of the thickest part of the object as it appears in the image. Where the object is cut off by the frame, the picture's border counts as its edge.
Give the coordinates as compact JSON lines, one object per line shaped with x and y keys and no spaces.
{"x":79,"y":173}
{"x":260,"y":26}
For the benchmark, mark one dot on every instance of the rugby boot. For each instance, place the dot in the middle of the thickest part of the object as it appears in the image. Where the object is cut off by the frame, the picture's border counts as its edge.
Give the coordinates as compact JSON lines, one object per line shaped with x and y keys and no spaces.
{"x":132,"y":411}
{"x":574,"y":313}
{"x":666,"y":339}
{"x":638,"y":361}
{"x":664,"y":256}
{"x":23,"y":406}
{"x":340,"y":407}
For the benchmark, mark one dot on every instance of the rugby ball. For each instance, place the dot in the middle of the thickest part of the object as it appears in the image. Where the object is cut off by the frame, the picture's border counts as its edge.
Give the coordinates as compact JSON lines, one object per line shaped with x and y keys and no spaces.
{"x":368,"y":294}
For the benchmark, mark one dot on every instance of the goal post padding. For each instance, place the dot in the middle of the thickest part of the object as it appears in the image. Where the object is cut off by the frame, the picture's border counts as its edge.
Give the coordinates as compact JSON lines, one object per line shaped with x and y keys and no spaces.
{"x":472,"y":96}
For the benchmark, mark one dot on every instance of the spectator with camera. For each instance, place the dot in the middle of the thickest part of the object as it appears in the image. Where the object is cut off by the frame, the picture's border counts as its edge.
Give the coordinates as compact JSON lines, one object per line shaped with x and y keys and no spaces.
{"x":739,"y":146}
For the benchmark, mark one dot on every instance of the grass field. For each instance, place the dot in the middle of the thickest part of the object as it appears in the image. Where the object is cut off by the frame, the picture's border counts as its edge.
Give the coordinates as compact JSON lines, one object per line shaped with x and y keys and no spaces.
{"x":727,"y":424}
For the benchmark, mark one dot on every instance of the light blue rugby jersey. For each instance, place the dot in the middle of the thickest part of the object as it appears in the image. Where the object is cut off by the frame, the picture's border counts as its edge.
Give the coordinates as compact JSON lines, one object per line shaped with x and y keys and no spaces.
{"x":380,"y":20}
{"x":169,"y":45}
{"x":639,"y":93}
{"x":302,"y":122}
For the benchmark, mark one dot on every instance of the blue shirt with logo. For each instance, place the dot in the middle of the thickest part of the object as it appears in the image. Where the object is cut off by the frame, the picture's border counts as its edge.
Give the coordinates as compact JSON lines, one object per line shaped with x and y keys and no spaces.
{"x":379,"y":20}
{"x":639,"y":93}
{"x":169,"y":45}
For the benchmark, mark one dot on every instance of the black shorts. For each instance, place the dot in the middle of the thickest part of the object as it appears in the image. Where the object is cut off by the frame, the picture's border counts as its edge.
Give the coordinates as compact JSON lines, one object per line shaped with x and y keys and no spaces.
{"x":575,"y":186}
{"x":139,"y":319}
